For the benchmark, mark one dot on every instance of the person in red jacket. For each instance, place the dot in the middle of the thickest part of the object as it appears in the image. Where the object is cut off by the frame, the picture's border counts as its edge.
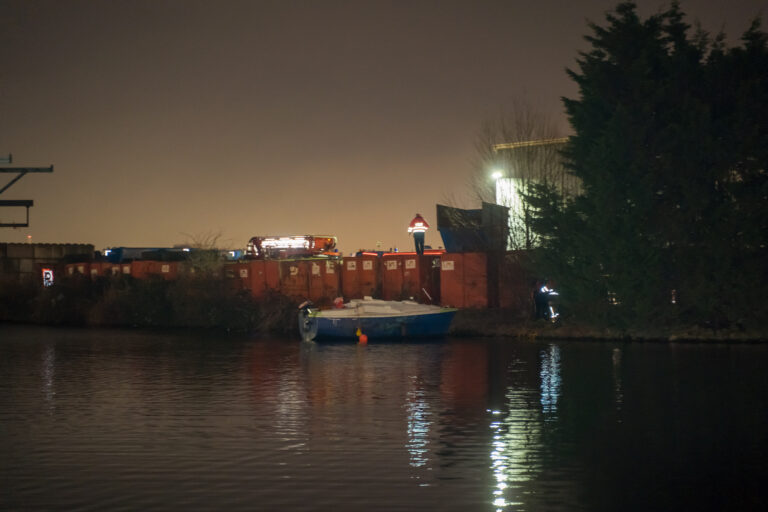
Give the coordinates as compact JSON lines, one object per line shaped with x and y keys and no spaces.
{"x":418,"y":227}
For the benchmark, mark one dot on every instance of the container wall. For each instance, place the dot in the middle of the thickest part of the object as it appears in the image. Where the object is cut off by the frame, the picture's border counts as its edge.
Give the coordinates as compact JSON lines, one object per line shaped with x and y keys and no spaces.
{"x":516,"y":285}
{"x":325,"y":280}
{"x":430,"y":279}
{"x":272,"y":275}
{"x":139,"y":269}
{"x":475,"y":280}
{"x":294,"y":278}
{"x":316,"y":287}
{"x":411,"y":287}
{"x":257,"y":277}
{"x":391,"y":277}
{"x":452,"y":280}
{"x":350,"y":277}
{"x":331,"y":270}
{"x":369,"y":275}
{"x":361,"y":277}
{"x":167,"y":270}
{"x":98,"y":269}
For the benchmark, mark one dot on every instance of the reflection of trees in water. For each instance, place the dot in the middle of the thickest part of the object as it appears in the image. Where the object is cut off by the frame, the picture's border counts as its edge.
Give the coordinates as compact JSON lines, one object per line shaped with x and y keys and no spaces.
{"x":618,"y":388}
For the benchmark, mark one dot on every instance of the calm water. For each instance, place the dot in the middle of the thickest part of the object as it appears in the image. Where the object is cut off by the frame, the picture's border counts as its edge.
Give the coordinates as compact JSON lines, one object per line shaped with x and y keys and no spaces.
{"x":116,"y":420}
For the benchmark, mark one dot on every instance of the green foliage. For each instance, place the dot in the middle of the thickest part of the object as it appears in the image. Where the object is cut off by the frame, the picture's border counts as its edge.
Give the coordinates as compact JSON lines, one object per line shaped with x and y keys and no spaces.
{"x":209,"y":302}
{"x":16,"y":298}
{"x":671,"y":148}
{"x":200,"y":300}
{"x":126,"y":301}
{"x":67,"y":302}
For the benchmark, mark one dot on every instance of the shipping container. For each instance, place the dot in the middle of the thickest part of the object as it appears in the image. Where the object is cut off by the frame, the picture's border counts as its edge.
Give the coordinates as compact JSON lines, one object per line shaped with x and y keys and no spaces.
{"x":272,"y":275}
{"x":294,"y":278}
{"x":464,"y":280}
{"x":138,"y":269}
{"x":360,"y":276}
{"x":391,"y":276}
{"x":324,"y":280}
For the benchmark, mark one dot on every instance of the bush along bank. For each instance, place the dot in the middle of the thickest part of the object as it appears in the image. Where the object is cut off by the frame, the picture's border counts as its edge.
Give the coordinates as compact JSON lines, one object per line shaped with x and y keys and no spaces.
{"x":203,"y":301}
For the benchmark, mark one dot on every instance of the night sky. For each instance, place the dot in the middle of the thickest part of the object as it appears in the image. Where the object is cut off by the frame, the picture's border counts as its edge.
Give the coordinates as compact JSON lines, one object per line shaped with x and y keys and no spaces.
{"x":244,"y":118}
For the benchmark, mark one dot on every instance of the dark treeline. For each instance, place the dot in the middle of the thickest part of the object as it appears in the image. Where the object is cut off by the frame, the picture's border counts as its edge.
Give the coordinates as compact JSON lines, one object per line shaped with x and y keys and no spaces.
{"x":671,"y":147}
{"x":204,"y":301}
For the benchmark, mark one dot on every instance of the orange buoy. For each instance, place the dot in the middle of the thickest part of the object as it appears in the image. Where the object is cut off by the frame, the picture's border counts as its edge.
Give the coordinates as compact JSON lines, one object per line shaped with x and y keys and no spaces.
{"x":363,"y":339}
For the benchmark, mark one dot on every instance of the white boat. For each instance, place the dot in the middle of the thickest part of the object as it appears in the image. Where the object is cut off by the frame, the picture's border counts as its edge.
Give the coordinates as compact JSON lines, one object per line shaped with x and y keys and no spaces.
{"x":376,"y":319}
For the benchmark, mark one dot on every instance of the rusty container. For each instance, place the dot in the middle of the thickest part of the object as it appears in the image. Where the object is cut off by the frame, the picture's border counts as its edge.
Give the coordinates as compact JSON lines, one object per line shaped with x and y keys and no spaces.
{"x":350,"y":277}
{"x":294,"y":278}
{"x":369,"y":274}
{"x":452,"y":280}
{"x":95,"y":269}
{"x":110,"y":269}
{"x":360,"y":277}
{"x":272,"y":275}
{"x":391,"y":277}
{"x":168,"y":270}
{"x":475,"y":280}
{"x":331,"y":270}
{"x":139,"y":269}
{"x":411,"y":265}
{"x":237,"y":276}
{"x":257,"y":277}
{"x":324,"y":280}
{"x":316,"y":271}
{"x":429,"y":278}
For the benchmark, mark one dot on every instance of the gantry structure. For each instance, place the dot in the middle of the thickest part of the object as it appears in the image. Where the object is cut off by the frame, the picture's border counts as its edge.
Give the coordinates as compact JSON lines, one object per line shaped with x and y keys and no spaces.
{"x":15,"y":203}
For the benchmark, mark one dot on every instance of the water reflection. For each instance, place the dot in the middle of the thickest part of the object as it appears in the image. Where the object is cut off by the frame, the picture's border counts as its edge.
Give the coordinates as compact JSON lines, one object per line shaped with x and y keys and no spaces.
{"x":517,"y":430}
{"x":550,"y":380}
{"x":618,"y":389}
{"x":167,"y":422}
{"x":48,"y":373}
{"x":418,"y":427}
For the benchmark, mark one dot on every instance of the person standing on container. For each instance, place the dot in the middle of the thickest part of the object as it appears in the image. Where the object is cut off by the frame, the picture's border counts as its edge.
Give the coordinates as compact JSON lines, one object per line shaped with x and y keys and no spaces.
{"x":418,"y":227}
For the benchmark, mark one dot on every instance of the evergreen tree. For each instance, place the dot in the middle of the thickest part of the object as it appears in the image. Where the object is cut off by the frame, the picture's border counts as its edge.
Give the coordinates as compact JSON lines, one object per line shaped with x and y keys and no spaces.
{"x":670,"y":147}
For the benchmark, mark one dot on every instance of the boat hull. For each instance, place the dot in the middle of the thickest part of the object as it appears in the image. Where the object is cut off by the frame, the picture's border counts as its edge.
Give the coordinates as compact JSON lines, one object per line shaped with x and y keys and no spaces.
{"x":425,"y":325}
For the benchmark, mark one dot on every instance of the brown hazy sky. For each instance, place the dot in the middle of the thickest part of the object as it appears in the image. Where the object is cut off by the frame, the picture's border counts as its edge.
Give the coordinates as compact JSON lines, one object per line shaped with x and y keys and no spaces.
{"x":273,"y":117}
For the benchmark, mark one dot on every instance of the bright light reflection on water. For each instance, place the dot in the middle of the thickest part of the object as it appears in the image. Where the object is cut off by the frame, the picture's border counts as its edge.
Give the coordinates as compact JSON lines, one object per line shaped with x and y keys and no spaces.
{"x":418,"y":427}
{"x":516,"y":433}
{"x":550,"y":380}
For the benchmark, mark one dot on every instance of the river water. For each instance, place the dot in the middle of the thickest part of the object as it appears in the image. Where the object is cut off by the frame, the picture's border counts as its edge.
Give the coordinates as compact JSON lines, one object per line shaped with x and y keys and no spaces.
{"x":123,"y":420}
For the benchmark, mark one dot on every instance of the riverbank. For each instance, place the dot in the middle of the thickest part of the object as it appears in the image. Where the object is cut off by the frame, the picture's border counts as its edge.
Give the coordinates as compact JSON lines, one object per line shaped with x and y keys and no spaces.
{"x":201,"y":302}
{"x":207,"y":302}
{"x":500,"y":323}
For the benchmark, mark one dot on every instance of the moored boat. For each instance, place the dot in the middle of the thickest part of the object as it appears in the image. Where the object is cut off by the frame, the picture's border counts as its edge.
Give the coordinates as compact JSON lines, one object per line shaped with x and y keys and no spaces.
{"x":376,"y":319}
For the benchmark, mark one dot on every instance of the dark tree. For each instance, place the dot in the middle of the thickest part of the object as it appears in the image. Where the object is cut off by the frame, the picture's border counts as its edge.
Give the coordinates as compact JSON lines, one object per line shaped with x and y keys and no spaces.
{"x":670,"y":146}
